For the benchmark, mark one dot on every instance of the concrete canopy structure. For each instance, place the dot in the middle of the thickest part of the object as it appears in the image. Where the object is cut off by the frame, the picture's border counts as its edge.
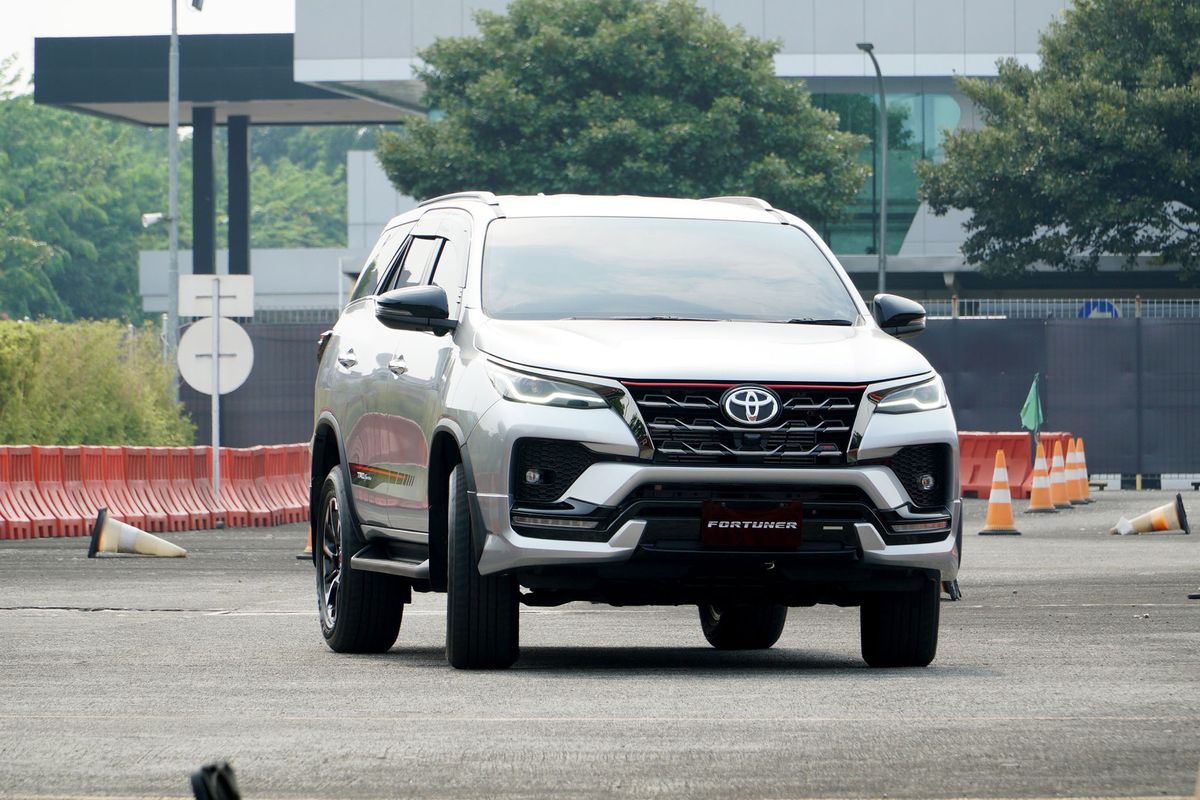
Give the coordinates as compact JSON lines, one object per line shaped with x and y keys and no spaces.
{"x":227,"y":79}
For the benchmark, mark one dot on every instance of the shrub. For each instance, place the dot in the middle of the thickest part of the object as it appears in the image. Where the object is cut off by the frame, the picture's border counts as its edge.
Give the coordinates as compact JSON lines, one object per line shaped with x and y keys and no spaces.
{"x":86,"y":383}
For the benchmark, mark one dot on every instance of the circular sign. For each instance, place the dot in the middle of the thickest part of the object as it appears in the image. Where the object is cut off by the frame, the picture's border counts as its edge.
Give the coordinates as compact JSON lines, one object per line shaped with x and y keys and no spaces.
{"x":1098,"y":309}
{"x":235,"y":359}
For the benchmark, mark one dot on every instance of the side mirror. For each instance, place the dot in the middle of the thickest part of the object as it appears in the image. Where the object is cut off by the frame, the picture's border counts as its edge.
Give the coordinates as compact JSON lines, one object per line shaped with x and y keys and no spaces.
{"x":421,"y":308}
{"x":899,"y":316}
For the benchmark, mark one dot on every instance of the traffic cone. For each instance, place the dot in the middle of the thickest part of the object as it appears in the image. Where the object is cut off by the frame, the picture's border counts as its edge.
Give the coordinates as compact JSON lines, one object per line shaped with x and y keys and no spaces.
{"x":1170,"y":517}
{"x":1039,"y":495}
{"x":111,"y":536}
{"x":307,"y":554}
{"x":1058,"y":478}
{"x":1074,"y":491}
{"x":999,"y":512}
{"x":1087,"y":489}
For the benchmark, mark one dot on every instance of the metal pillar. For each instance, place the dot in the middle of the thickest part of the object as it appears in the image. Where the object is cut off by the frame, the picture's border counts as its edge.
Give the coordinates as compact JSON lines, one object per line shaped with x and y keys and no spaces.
{"x":204,"y":209}
{"x":239,"y":195}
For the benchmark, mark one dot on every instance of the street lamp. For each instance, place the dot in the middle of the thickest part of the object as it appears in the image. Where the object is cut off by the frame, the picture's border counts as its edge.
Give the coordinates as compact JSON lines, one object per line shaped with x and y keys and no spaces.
{"x":869,"y":49}
{"x":173,"y":192}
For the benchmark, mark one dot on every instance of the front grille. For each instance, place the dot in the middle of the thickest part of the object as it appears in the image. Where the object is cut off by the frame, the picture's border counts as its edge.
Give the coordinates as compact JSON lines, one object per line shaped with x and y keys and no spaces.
{"x":688,"y":426}
{"x":558,"y":463}
{"x":910,"y":463}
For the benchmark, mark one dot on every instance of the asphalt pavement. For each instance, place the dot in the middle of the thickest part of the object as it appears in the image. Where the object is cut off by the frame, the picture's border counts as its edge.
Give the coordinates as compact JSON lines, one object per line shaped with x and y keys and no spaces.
{"x":1070,"y":668}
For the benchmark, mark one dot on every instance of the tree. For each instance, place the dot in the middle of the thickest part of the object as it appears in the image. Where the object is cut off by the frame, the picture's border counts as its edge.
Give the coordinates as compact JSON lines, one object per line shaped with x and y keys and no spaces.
{"x":1096,"y":152}
{"x":620,"y":96}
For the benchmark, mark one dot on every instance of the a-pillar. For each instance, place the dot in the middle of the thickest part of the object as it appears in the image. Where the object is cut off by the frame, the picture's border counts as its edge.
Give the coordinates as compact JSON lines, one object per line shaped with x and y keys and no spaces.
{"x":204,"y":209}
{"x":239,"y":195}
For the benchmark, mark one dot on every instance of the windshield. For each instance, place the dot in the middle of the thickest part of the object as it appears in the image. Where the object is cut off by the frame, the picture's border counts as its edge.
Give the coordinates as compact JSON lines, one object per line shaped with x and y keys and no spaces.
{"x":631,"y":267}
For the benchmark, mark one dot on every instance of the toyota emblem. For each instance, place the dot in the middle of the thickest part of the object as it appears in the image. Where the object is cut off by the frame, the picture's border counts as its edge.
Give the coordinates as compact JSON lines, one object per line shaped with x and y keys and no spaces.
{"x":750,"y":405}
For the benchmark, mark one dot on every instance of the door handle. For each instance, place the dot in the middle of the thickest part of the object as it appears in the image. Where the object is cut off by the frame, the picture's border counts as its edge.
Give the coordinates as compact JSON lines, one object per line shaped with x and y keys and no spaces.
{"x":348,"y":359}
{"x":398,"y":366}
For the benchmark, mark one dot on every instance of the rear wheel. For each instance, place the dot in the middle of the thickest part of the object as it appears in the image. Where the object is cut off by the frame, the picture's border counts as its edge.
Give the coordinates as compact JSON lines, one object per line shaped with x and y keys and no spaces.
{"x":481,"y":610}
{"x":755,"y":627}
{"x":360,"y":611}
{"x":901,"y":630}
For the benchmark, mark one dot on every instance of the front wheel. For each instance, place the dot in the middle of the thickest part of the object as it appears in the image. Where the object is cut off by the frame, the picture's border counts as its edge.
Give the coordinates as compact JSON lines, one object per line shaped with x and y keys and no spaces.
{"x":901,"y":630}
{"x":481,"y":610}
{"x":360,"y":611}
{"x":755,"y":627}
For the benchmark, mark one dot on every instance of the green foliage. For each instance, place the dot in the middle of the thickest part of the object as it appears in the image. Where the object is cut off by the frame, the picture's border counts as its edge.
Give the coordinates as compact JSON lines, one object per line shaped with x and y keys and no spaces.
{"x":1096,"y":152}
{"x":620,"y":96}
{"x":86,"y":383}
{"x":291,"y":206}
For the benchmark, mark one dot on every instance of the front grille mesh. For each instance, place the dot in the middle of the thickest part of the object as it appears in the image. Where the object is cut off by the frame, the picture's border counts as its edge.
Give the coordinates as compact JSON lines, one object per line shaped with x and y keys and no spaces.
{"x":558,"y":462}
{"x":688,"y":426}
{"x":910,"y":463}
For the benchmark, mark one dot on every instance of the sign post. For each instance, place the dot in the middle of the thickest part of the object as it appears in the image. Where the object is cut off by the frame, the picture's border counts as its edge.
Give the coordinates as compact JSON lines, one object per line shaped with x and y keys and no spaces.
{"x":215,"y":354}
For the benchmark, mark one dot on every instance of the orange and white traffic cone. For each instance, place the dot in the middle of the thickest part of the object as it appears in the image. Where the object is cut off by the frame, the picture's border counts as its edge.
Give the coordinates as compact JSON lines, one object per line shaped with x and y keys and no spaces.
{"x":999,"y":512}
{"x":307,"y":554}
{"x":1058,"y":479}
{"x":1074,"y":479}
{"x":1082,"y":456}
{"x":1039,"y":495}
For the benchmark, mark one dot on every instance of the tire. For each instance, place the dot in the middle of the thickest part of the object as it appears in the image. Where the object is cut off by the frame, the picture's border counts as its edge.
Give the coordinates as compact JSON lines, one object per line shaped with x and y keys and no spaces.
{"x":360,"y":611}
{"x":482,"y":628}
{"x":901,"y":630}
{"x":754,"y":627}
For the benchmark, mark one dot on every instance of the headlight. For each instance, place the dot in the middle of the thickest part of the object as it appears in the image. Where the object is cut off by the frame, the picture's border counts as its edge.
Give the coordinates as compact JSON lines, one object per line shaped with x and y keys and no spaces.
{"x":522,"y":387}
{"x":904,"y":400}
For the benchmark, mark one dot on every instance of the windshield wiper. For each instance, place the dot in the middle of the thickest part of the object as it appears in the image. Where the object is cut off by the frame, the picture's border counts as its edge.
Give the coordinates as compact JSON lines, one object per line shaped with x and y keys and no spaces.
{"x":812,"y":321}
{"x":655,"y":317}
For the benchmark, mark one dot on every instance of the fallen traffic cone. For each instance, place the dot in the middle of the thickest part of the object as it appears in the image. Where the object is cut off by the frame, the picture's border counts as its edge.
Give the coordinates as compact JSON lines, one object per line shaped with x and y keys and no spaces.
{"x":999,"y":512}
{"x":1039,"y":495}
{"x":111,"y":536}
{"x":1087,"y":488}
{"x":1169,"y":517}
{"x":1074,"y":477}
{"x":307,"y":553}
{"x":1058,"y":479}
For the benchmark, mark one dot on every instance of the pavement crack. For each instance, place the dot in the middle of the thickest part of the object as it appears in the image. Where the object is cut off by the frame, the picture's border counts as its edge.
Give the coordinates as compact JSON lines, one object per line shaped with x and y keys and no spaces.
{"x":116,"y":609}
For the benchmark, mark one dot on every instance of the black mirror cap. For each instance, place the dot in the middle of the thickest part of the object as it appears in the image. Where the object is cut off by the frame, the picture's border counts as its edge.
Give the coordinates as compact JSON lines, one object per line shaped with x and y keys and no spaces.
{"x":899,"y":316}
{"x":424,"y":308}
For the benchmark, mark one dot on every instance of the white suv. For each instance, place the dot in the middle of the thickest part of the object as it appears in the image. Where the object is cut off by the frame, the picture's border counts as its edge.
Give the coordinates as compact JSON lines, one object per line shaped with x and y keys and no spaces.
{"x":632,"y":401}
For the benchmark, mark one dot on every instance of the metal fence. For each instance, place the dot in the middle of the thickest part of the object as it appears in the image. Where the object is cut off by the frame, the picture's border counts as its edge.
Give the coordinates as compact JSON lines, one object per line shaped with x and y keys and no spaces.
{"x":1066,"y":307}
{"x":1129,"y":386}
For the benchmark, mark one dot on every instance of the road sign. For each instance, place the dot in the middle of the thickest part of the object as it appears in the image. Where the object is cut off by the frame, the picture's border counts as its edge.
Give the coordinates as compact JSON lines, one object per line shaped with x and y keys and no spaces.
{"x":196,"y":295}
{"x":1098,"y":309}
{"x":196,"y":355}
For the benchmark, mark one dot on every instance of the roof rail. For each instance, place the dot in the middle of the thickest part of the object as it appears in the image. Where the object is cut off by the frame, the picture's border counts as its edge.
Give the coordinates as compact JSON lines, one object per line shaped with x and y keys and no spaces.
{"x":485,"y":197}
{"x":738,"y":200}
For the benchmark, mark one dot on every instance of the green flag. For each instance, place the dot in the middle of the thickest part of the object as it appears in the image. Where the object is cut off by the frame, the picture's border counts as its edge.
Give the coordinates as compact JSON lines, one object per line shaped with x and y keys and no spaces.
{"x":1031,"y":412}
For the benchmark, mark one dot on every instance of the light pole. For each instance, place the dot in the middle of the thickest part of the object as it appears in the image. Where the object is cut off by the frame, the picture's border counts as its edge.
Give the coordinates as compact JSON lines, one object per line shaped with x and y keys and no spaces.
{"x":869,"y":49}
{"x":173,"y":192}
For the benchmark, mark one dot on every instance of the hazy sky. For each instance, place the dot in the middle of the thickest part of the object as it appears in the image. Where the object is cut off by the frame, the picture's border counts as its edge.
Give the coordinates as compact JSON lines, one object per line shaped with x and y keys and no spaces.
{"x":22,"y":20}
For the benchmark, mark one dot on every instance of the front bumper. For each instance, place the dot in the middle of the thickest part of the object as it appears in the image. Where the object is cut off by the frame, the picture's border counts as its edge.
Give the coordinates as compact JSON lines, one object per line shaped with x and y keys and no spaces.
{"x":610,"y":484}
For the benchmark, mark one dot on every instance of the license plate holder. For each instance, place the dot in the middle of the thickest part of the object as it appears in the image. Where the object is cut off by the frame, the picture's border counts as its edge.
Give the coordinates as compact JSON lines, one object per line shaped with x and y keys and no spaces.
{"x":728,"y":526}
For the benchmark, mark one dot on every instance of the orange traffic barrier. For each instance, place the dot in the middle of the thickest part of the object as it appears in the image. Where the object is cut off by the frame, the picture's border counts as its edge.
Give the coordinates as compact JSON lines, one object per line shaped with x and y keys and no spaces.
{"x":81,"y":496}
{"x":1087,"y":489}
{"x":237,"y":478}
{"x":229,"y":510}
{"x":1058,"y":479}
{"x":138,"y":482}
{"x":999,"y":512}
{"x":49,"y":472}
{"x":179,"y":475}
{"x":23,"y":493}
{"x":16,"y":524}
{"x":1039,"y":495}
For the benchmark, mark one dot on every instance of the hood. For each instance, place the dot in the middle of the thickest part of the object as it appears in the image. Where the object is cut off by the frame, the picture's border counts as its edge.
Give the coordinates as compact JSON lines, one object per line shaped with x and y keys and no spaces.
{"x":711,"y":351}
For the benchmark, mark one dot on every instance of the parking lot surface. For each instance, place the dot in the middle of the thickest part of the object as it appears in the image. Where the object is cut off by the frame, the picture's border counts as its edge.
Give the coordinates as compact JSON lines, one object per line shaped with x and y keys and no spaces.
{"x":1070,"y":668}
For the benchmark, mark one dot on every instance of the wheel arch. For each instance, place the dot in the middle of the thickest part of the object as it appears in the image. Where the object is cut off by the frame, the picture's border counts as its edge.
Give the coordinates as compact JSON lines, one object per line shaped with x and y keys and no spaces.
{"x":327,"y":452}
{"x":445,"y":453}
